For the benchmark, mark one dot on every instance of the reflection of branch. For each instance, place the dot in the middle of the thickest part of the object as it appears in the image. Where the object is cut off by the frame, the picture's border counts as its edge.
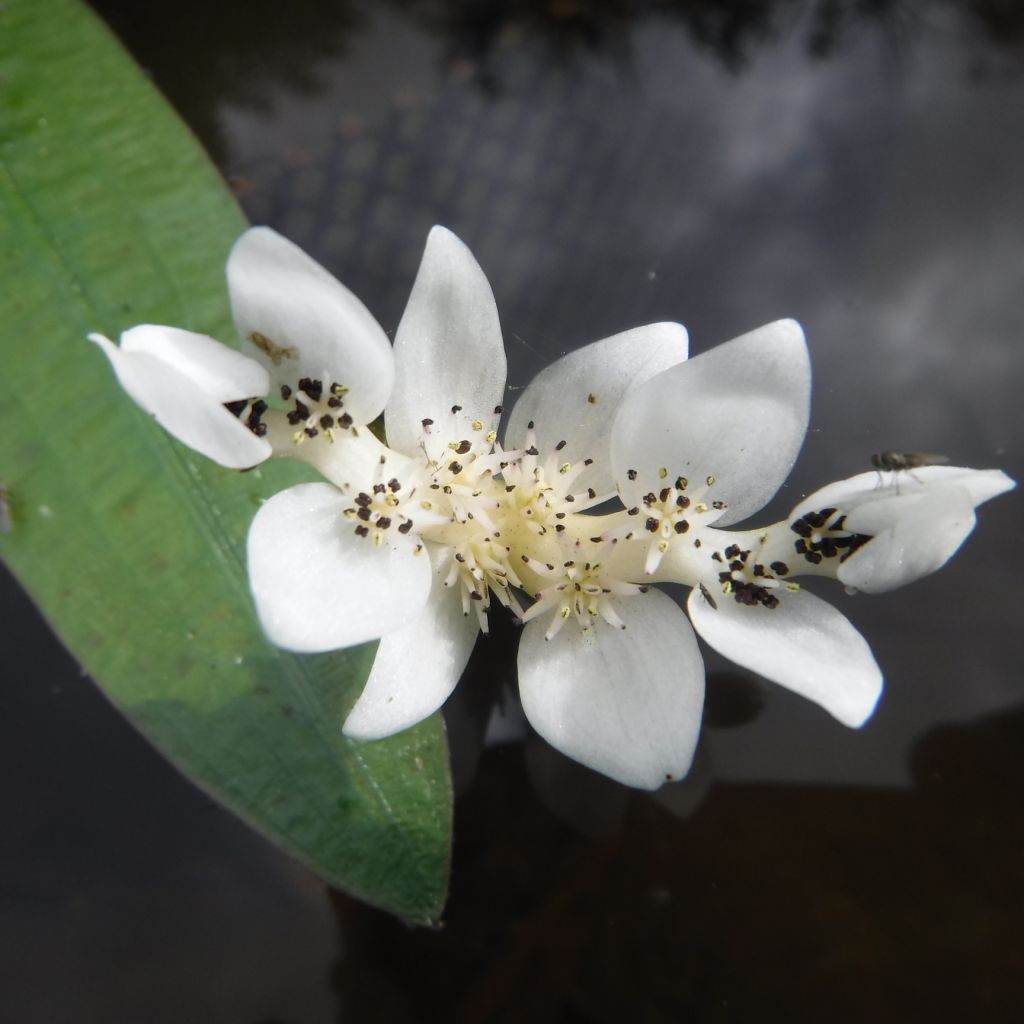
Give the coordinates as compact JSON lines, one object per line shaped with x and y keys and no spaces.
{"x":242,"y":54}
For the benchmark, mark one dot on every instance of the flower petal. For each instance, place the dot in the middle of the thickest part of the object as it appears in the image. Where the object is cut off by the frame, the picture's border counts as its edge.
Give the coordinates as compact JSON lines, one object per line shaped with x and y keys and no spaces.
{"x":317,"y":585}
{"x":625,"y":702}
{"x":575,"y":398}
{"x":736,"y":414}
{"x":803,"y":644}
{"x":300,"y":321}
{"x":182,"y":380}
{"x":870,"y":487}
{"x":416,"y":667}
{"x":448,"y":348}
{"x":221,"y":372}
{"x":912,"y":537}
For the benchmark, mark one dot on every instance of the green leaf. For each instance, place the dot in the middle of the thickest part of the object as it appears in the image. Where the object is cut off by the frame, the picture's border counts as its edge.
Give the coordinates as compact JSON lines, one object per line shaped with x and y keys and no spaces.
{"x":132,"y":545}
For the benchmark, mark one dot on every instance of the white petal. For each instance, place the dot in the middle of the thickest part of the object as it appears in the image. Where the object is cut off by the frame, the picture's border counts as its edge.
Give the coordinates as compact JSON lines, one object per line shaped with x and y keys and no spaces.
{"x":448,"y":348}
{"x":300,"y":321}
{"x":575,"y":398}
{"x":317,"y":585}
{"x":183,"y":389}
{"x":625,"y":702}
{"x":417,"y":667}
{"x":870,"y":487}
{"x":912,"y":537}
{"x":803,"y":644}
{"x":221,"y":372}
{"x":737,"y":413}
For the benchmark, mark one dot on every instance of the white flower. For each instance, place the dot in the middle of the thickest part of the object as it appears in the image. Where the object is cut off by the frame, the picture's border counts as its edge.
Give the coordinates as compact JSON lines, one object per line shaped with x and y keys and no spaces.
{"x":915,"y":520}
{"x":309,"y":344}
{"x":407,"y":542}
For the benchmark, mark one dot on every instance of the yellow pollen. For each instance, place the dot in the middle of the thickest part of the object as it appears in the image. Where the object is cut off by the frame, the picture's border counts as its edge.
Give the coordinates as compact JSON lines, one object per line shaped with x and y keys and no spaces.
{"x":426,"y":505}
{"x":378,"y":539}
{"x":492,"y":436}
{"x":711,"y":480}
{"x":663,"y":472}
{"x":700,"y":507}
{"x":565,"y":467}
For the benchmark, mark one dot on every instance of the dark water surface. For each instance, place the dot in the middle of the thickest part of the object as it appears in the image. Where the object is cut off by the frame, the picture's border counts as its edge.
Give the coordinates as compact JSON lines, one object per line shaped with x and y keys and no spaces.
{"x":856,"y":166}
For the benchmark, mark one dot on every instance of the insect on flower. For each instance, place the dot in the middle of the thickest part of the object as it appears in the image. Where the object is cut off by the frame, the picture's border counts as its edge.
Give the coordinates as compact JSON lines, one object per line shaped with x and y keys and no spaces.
{"x":892,"y":462}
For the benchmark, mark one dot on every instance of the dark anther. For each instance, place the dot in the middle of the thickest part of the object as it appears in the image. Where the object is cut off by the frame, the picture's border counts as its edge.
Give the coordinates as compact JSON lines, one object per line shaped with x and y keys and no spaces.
{"x":529,"y":426}
{"x":509,"y":488}
{"x":334,"y":403}
{"x":455,"y":467}
{"x":235,"y":408}
{"x":682,"y":501}
{"x":649,"y":498}
{"x":311,"y":431}
{"x":664,"y":493}
{"x":716,"y":557}
{"x":345,"y":421}
{"x":559,"y":527}
{"x":570,"y":497}
{"x":813,"y":557}
{"x":631,"y":473}
{"x":644,"y":588}
{"x":591,"y":493}
{"x":634,"y":511}
{"x":696,"y":542}
{"x":532,"y":450}
{"x":559,"y":515}
{"x":588,"y":462}
{"x":476,"y":595}
{"x":363,"y":499}
{"x":362,"y":531}
{"x":394,"y":485}
{"x":326,"y":421}
{"x":464,"y":447}
{"x":259,"y":429}
{"x":779,"y":568}
{"x":560,"y":445}
{"x":732,"y":551}
{"x":682,"y":526}
{"x":652,"y":524}
{"x":681,"y":483}
{"x":405,"y":527}
{"x":719,"y":505}
{"x":364,"y":513}
{"x":736,"y":565}
{"x":456,"y":408}
{"x":384,"y":522}
{"x":758,"y":569}
{"x":426,"y":423}
{"x":313,"y":388}
{"x":286,"y":392}
{"x":498,"y":410}
{"x":379,"y":488}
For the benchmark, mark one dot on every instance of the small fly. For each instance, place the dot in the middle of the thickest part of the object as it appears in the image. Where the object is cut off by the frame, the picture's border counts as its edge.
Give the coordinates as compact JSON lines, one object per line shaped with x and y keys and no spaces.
{"x":893,"y":462}
{"x":706,"y":594}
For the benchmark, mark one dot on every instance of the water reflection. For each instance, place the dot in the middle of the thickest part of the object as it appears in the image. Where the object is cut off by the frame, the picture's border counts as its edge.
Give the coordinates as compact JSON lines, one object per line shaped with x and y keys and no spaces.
{"x":720,"y":172}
